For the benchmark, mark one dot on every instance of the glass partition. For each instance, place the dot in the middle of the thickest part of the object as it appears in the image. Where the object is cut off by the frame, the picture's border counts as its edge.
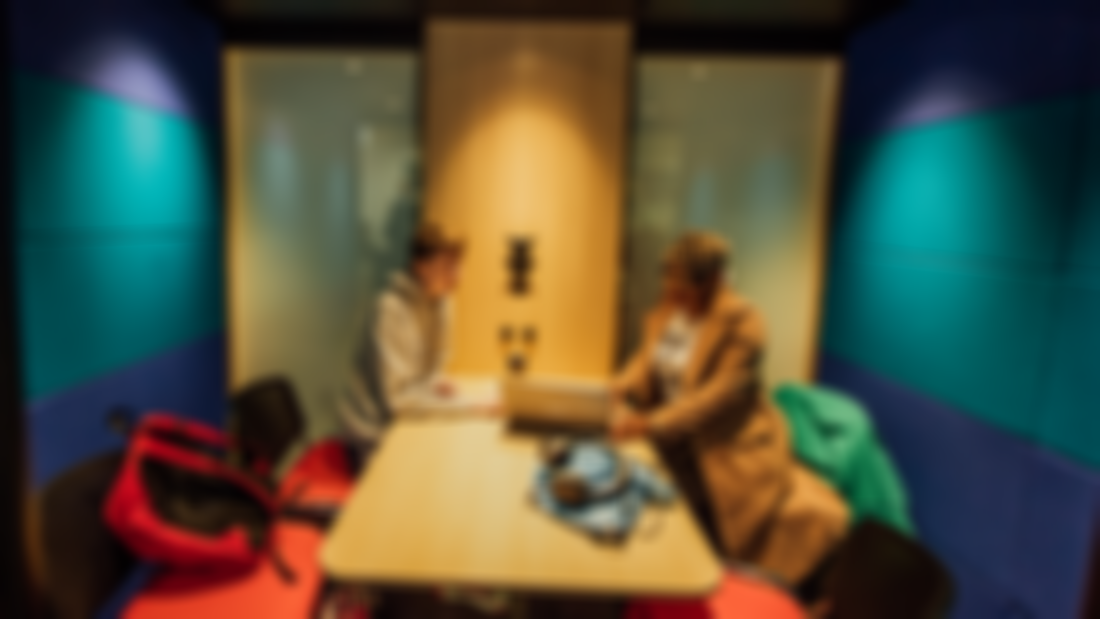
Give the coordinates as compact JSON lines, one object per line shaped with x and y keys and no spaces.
{"x":740,"y":147}
{"x":324,"y":187}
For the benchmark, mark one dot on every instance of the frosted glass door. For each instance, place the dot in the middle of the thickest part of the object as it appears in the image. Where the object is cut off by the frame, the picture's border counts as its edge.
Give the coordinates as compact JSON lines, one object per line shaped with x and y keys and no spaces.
{"x":324,"y":182}
{"x":740,"y":147}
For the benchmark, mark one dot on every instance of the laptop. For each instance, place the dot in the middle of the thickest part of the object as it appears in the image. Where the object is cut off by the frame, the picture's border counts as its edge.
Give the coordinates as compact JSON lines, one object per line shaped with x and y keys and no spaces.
{"x":557,"y":403}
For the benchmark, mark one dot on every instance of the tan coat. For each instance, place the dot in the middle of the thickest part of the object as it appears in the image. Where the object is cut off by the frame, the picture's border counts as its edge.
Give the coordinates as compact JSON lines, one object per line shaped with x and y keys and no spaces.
{"x":766,"y":508}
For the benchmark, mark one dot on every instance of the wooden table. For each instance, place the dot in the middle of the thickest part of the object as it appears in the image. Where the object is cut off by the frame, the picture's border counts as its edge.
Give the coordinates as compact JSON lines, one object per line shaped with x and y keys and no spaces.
{"x":445,"y":503}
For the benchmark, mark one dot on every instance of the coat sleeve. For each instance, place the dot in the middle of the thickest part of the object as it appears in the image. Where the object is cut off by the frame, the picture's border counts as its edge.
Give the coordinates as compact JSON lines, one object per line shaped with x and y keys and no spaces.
{"x":727,"y":386}
{"x":636,"y":377}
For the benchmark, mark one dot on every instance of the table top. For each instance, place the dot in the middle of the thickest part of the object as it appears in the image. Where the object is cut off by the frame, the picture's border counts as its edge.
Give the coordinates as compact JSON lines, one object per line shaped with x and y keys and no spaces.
{"x":446,"y":503}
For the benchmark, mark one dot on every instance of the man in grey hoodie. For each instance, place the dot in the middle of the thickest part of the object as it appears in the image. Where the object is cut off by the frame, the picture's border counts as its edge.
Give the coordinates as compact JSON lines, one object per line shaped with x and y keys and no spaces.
{"x":398,"y":364}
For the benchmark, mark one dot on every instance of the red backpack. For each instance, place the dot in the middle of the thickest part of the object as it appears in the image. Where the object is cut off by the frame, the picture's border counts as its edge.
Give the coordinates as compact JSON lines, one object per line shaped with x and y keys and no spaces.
{"x":177,"y":502}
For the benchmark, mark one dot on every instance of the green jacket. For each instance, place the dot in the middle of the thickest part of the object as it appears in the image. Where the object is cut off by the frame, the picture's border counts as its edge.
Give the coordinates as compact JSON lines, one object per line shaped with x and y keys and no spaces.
{"x":833,"y":435}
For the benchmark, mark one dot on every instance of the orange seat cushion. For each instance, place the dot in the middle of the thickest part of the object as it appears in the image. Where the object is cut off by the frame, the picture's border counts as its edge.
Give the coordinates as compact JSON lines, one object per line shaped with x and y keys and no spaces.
{"x":738,"y":597}
{"x":260,"y":593}
{"x":320,"y":476}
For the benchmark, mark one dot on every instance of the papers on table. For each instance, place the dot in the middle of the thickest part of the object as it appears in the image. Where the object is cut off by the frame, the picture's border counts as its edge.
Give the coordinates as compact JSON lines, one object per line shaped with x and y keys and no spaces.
{"x":469,"y":397}
{"x":484,"y":392}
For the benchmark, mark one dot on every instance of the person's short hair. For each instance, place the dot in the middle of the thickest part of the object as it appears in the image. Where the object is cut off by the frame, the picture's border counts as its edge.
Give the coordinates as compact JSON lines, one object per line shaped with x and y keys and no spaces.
{"x":700,"y":257}
{"x":430,"y":240}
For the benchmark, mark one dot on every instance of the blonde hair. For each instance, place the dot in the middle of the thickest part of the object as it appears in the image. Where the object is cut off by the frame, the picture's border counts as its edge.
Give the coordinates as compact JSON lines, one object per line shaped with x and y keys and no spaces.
{"x":701,"y":257}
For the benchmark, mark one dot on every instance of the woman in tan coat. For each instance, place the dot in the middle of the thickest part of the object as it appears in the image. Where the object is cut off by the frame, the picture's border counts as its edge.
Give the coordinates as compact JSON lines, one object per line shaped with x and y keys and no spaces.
{"x":695,"y":388}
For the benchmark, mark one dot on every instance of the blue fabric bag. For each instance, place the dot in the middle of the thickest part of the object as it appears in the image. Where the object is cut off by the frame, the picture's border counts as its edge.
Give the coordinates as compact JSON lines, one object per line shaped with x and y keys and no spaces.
{"x":617,"y":503}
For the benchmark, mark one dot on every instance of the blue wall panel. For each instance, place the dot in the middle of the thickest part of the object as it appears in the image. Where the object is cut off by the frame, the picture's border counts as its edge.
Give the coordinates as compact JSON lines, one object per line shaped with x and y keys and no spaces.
{"x":972,"y":6}
{"x":964,"y":284}
{"x":119,"y":225}
{"x":1051,"y":561}
{"x":91,"y":162}
{"x":156,"y":53}
{"x":942,"y":59}
{"x":1009,"y":519}
{"x":71,"y":426}
{"x":966,"y":500}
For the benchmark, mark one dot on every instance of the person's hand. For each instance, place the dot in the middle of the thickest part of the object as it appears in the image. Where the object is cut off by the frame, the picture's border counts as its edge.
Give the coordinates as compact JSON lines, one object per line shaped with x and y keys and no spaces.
{"x":444,"y":389}
{"x":627,"y":424}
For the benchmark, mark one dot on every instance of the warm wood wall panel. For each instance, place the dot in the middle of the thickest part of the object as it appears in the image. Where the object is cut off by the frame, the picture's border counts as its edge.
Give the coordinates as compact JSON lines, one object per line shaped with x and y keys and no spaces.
{"x":525,"y":134}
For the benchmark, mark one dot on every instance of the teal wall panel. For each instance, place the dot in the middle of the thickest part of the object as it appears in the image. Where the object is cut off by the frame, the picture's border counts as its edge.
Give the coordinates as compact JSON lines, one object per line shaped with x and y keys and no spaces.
{"x":96,"y":305}
{"x":972,"y":335}
{"x":117,"y":219}
{"x":1071,"y":410}
{"x":953,"y":246}
{"x":90,"y":161}
{"x":1084,"y":245}
{"x":988,"y":186}
{"x":119,"y":233}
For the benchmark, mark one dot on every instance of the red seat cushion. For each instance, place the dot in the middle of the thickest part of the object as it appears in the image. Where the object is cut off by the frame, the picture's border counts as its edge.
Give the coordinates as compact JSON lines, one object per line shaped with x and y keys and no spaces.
{"x":260,"y":593}
{"x":738,"y":597}
{"x":321,"y":475}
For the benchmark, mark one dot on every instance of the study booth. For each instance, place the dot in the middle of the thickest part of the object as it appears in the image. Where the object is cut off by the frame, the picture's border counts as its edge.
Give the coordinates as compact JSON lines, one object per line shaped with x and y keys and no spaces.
{"x":525,"y":139}
{"x":296,"y":149}
{"x":564,"y":163}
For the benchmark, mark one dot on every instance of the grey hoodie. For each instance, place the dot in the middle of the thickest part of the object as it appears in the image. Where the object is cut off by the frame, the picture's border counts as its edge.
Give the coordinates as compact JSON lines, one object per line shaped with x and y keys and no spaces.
{"x":398,"y":361}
